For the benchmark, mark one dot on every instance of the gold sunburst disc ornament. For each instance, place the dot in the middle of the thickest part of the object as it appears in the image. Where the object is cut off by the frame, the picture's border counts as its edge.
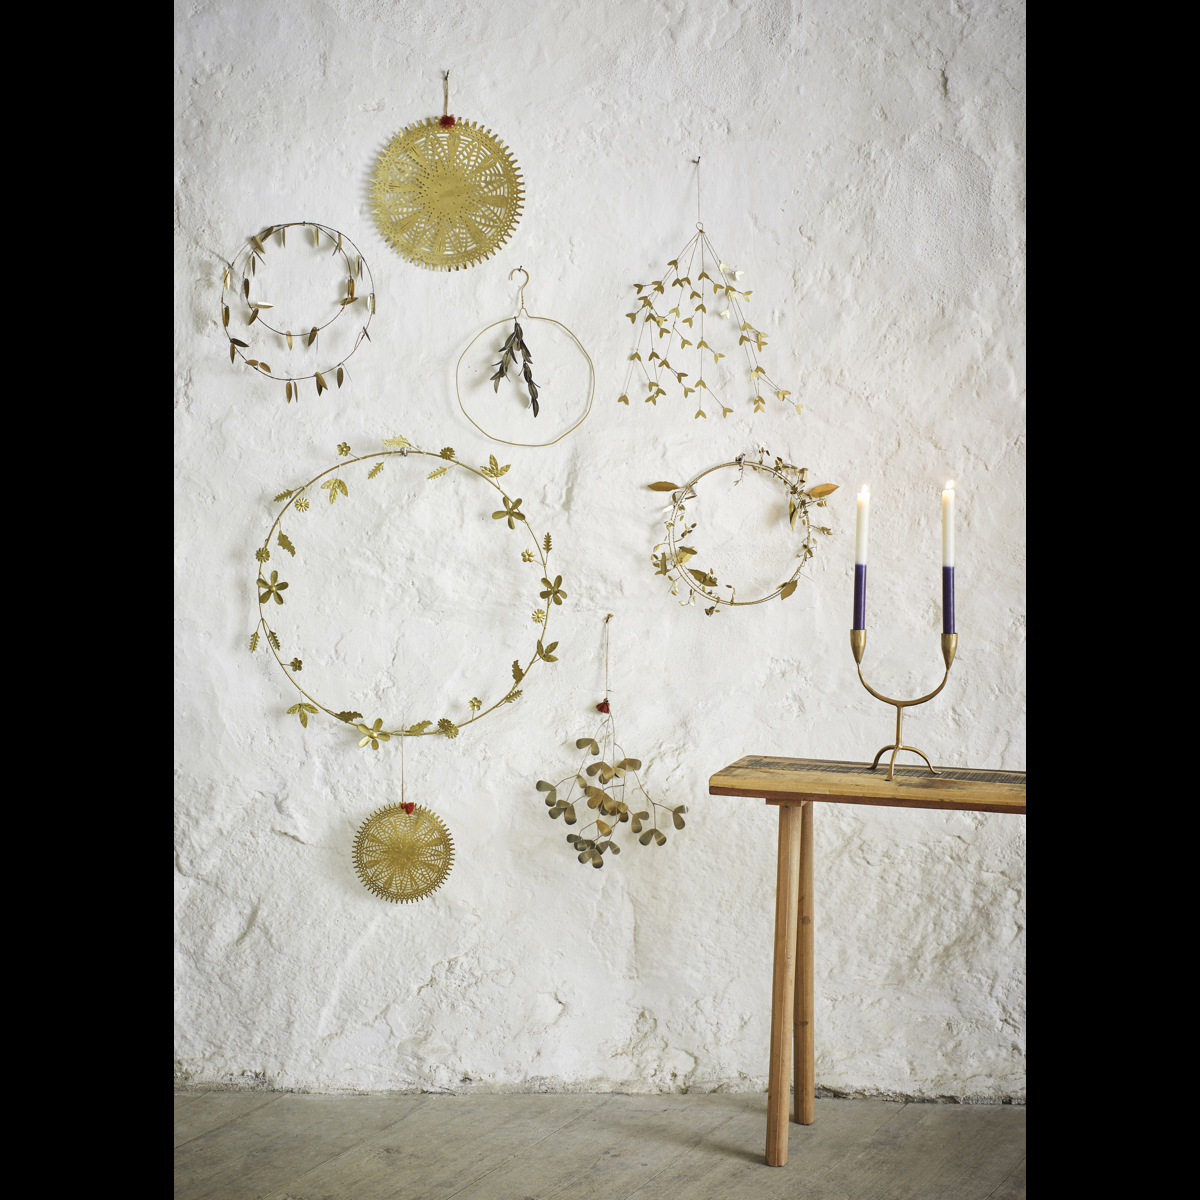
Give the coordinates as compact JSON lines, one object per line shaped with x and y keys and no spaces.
{"x":403,"y":856}
{"x":446,"y":197}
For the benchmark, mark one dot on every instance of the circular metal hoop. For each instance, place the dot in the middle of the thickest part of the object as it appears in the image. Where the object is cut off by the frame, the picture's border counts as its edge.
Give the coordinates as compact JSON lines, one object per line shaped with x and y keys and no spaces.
{"x":687,"y":492}
{"x":272,"y":589}
{"x":401,"y":856}
{"x":549,"y":321}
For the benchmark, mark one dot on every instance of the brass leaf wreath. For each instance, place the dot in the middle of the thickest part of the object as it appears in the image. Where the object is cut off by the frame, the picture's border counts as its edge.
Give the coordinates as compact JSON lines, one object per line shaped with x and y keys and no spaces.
{"x":613,"y":803}
{"x":241,"y":277}
{"x":271,"y":588}
{"x":676,"y":554}
{"x":446,"y":192}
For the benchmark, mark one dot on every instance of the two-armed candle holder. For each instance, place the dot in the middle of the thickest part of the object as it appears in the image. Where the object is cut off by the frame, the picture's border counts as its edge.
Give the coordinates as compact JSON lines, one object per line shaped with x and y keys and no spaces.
{"x":858,"y":643}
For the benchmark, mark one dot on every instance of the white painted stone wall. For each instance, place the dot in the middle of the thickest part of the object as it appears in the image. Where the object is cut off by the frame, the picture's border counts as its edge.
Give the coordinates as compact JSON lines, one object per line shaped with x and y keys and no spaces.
{"x":864,"y":165}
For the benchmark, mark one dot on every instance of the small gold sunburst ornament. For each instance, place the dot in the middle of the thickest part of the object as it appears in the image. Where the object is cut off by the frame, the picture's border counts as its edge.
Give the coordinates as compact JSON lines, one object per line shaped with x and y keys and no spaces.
{"x":403,"y":852}
{"x":446,"y":193}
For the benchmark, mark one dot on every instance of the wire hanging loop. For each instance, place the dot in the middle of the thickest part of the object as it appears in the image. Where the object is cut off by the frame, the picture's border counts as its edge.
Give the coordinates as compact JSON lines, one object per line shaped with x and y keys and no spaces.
{"x":606,"y":621}
{"x":699,"y":223}
{"x":445,"y":93}
{"x":521,"y":294}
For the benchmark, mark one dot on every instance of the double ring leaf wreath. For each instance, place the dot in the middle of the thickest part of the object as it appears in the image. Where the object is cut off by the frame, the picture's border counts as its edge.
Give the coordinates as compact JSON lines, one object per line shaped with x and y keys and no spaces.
{"x":688,"y":272}
{"x":613,"y":801}
{"x":446,"y":192}
{"x":241,"y":278}
{"x":671,"y":558}
{"x":271,"y":589}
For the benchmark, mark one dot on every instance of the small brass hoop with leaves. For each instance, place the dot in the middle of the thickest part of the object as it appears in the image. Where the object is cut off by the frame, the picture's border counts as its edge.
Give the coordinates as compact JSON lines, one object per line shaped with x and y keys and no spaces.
{"x":675,"y":554}
{"x":244,"y":269}
{"x":271,"y":589}
{"x":523,"y":311}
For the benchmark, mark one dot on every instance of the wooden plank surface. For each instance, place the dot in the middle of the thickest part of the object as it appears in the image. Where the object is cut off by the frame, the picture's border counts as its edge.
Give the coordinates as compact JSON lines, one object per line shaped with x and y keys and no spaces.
{"x":795,"y":780}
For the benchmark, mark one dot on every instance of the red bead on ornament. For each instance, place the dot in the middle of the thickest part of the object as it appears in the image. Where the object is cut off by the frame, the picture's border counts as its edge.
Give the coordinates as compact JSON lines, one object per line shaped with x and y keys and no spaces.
{"x":602,"y":706}
{"x":446,"y":121}
{"x":408,"y":808}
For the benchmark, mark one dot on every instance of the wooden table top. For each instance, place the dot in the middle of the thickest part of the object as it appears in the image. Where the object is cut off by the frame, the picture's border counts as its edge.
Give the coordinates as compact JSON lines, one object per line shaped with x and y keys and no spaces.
{"x":792,"y":780}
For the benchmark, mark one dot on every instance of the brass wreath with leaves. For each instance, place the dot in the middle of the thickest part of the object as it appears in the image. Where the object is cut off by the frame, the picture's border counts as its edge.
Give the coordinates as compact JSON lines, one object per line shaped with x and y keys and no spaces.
{"x":675,"y":556}
{"x":254,"y":253}
{"x":271,"y":589}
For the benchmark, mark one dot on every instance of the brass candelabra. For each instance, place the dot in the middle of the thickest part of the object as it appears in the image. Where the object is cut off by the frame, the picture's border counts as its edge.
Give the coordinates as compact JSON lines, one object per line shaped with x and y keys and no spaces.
{"x":858,"y":643}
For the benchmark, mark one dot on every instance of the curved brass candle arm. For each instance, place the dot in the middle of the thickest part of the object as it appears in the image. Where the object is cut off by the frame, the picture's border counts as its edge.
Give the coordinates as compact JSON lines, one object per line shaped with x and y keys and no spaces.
{"x":902,"y":703}
{"x":858,"y":644}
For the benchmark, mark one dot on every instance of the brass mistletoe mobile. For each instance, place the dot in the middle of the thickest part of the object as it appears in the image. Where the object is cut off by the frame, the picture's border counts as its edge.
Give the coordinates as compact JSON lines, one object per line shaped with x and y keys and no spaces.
{"x":683,"y":329}
{"x":270,"y":588}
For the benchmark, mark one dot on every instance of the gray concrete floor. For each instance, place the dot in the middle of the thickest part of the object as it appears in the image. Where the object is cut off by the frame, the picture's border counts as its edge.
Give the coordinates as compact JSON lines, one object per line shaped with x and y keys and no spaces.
{"x":285,"y":1146}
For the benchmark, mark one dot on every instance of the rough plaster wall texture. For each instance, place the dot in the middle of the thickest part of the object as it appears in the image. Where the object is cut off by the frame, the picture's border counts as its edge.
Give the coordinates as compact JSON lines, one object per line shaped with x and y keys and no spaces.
{"x":863,"y":163}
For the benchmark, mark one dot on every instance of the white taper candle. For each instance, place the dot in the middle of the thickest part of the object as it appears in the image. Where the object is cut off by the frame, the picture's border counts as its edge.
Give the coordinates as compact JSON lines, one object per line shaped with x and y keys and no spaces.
{"x":860,"y":528}
{"x":948,"y":525}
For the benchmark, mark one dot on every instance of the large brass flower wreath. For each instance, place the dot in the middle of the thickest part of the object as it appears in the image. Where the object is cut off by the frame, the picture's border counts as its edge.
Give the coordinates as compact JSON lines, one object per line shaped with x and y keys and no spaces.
{"x":270,"y":588}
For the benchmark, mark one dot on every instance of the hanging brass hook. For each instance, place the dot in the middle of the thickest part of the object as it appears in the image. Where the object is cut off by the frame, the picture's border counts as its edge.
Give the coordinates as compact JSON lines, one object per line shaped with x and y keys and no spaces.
{"x":521,"y":294}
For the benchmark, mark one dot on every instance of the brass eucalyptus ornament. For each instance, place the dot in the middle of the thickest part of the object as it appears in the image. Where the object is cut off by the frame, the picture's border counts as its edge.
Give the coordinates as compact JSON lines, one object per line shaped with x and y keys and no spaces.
{"x":241,"y":293}
{"x":514,"y":346}
{"x":688,"y":271}
{"x":270,"y":588}
{"x":613,"y":802}
{"x":676,"y":554}
{"x":446,"y":193}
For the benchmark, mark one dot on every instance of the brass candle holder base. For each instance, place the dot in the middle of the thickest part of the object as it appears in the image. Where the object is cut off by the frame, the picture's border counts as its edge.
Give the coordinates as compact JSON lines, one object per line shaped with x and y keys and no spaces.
{"x":858,"y":643}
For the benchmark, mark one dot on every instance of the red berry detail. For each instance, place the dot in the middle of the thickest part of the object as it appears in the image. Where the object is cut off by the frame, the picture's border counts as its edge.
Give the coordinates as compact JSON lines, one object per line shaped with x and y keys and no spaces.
{"x":446,"y":122}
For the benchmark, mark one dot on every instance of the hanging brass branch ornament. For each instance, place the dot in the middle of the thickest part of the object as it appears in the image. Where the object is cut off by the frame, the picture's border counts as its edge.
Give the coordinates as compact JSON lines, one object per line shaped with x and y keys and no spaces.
{"x":517,"y":357}
{"x":446,"y":193}
{"x":240,"y":293}
{"x":613,"y":802}
{"x":676,"y":554}
{"x":270,"y":588}
{"x":403,"y":852}
{"x":688,"y":272}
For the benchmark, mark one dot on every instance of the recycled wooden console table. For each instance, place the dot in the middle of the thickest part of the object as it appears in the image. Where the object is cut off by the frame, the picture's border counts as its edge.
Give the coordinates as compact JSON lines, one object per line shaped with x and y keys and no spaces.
{"x":794,"y":784}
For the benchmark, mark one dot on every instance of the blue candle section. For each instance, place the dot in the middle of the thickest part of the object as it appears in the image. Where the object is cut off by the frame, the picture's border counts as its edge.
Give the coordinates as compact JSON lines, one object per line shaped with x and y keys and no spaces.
{"x":860,"y":596}
{"x":947,"y":600}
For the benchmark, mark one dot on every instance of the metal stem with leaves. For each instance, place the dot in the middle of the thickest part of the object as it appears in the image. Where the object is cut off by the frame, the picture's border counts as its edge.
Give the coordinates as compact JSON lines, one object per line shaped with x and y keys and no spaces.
{"x":675,"y":556}
{"x":244,"y":268}
{"x":271,"y":589}
{"x":614,"y":776}
{"x":656,"y":367}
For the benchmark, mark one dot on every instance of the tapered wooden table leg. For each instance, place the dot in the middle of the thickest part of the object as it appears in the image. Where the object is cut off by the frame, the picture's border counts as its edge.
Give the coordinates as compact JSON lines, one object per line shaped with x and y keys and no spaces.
{"x":783,"y":985}
{"x":804,"y":1084}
